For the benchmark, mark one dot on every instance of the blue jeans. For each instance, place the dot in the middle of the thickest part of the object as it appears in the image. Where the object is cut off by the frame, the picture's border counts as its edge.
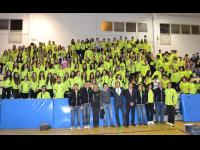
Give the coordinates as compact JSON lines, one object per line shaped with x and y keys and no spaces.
{"x":108,"y":111}
{"x":86,"y":114}
{"x":75,"y":112}
{"x":141,"y":109}
{"x":160,"y":112}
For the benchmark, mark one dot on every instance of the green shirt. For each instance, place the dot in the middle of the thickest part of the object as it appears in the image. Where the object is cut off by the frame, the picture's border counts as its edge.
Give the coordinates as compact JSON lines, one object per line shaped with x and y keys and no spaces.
{"x":46,"y":95}
{"x":150,"y":96}
{"x":59,"y":90}
{"x":171,"y":96}
{"x":192,"y":88}
{"x":25,"y":86}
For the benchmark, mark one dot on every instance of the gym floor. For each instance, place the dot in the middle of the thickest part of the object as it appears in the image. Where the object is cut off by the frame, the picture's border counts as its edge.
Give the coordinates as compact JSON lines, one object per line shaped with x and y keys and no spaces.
{"x":157,"y":129}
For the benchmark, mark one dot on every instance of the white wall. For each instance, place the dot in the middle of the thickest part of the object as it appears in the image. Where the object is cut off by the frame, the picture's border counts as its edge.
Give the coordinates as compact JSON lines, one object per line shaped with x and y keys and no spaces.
{"x":62,"y":27}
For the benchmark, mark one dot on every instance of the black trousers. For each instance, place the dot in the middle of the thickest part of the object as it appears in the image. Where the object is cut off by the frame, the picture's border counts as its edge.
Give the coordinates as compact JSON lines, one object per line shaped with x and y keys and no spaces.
{"x":128,"y":109}
{"x":96,"y":113}
{"x":6,"y":93}
{"x":82,"y":54}
{"x":150,"y":111}
{"x":16,"y":93}
{"x":171,"y":113}
{"x":33,"y":94}
{"x":175,"y":86}
{"x":24,"y":95}
{"x":121,"y":107}
{"x":50,"y":92}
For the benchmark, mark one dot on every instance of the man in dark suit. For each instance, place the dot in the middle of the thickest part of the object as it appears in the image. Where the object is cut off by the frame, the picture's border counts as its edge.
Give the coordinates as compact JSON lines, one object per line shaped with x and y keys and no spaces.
{"x":130,"y":103}
{"x":119,"y":103}
{"x":86,"y":94}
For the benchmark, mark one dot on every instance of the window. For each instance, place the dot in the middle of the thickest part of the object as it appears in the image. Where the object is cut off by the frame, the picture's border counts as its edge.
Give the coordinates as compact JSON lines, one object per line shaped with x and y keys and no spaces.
{"x":119,"y":26}
{"x":185,"y":29}
{"x":106,"y":26}
{"x":4,"y":24}
{"x":175,"y":28}
{"x":165,"y":28}
{"x":195,"y":29}
{"x":16,"y":24}
{"x":142,"y":27}
{"x":130,"y":27}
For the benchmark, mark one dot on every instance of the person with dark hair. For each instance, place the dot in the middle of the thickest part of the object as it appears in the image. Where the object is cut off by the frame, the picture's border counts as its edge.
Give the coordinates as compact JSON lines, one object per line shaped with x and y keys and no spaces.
{"x":43,"y":94}
{"x":6,"y":85}
{"x":130,"y":103}
{"x":59,"y":88}
{"x":75,"y":106}
{"x":160,"y":103}
{"x":171,"y":99}
{"x":96,"y":105}
{"x":140,"y":105}
{"x":119,"y":103}
{"x":191,"y":87}
{"x":49,"y":84}
{"x":86,"y":94}
{"x":25,"y":88}
{"x":33,"y":86}
{"x":16,"y":85}
{"x":105,"y":103}
{"x":149,"y":103}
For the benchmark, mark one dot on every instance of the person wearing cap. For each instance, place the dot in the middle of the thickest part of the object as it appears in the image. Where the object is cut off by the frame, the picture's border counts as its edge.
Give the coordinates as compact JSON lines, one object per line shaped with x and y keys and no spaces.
{"x":75,"y":106}
{"x":43,"y":94}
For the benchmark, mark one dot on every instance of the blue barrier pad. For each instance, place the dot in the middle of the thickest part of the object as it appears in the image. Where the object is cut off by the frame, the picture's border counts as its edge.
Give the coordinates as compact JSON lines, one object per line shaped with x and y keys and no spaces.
{"x":61,"y":114}
{"x":26,"y":113}
{"x":0,"y":114}
{"x":190,"y":105}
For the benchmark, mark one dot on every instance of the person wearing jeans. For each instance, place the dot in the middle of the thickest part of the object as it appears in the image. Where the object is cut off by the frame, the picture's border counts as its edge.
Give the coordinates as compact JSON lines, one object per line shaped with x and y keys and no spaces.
{"x":140,"y":105}
{"x":75,"y":106}
{"x":86,"y":94}
{"x":105,"y":103}
{"x":160,"y":103}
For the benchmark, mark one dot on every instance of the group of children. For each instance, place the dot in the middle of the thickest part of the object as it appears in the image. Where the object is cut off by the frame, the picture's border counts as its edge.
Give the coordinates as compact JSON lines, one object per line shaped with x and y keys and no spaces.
{"x":33,"y":70}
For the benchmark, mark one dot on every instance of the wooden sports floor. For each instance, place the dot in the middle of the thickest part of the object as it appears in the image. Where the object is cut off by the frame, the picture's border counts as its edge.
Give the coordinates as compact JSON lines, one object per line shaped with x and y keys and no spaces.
{"x":158,"y":129}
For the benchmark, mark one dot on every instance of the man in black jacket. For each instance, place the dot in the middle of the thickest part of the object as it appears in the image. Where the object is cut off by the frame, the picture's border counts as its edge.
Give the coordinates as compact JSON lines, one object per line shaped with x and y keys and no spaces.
{"x":86,"y":94}
{"x":119,"y":103}
{"x":96,"y":105}
{"x":130,"y":103}
{"x":160,"y":103}
{"x":75,"y":105}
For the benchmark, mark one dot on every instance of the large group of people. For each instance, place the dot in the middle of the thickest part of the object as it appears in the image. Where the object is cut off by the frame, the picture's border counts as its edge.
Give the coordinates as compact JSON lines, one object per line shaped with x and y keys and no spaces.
{"x":90,"y":72}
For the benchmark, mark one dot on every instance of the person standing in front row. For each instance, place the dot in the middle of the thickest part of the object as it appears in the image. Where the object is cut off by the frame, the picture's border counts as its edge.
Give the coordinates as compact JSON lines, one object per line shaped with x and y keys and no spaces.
{"x":130,"y":103}
{"x":86,"y":94}
{"x":119,"y":103}
{"x":140,"y":105}
{"x":96,"y":105}
{"x":105,"y":103}
{"x":160,"y":103}
{"x":75,"y":106}
{"x":171,"y":99}
{"x":149,"y":103}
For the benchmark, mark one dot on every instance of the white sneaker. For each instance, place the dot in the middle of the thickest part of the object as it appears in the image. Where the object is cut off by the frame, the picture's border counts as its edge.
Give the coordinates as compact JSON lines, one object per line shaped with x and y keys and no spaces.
{"x":149,"y":122}
{"x":171,"y":124}
{"x":88,"y":127}
{"x":72,"y":128}
{"x":152,"y":122}
{"x":85,"y":127}
{"x":167,"y":123}
{"x":78,"y":127}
